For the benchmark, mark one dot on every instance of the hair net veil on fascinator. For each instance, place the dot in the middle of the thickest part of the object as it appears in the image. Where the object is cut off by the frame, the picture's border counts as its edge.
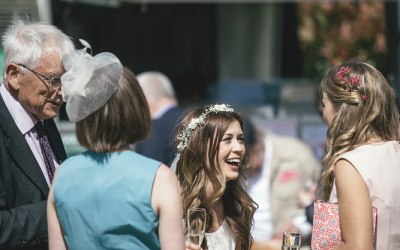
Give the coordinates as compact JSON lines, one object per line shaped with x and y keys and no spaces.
{"x":89,"y":81}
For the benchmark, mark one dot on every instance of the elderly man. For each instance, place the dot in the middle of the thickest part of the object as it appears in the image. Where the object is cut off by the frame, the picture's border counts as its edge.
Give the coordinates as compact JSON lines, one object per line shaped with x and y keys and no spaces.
{"x":165,"y":114}
{"x":30,"y":144}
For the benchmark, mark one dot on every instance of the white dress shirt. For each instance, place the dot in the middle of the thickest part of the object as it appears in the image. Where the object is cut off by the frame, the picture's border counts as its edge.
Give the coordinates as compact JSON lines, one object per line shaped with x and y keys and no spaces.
{"x":259,"y":190}
{"x":25,"y":122}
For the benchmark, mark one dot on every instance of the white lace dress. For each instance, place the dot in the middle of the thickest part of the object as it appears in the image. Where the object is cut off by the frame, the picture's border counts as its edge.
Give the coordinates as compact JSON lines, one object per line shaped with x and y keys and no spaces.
{"x":223,"y":238}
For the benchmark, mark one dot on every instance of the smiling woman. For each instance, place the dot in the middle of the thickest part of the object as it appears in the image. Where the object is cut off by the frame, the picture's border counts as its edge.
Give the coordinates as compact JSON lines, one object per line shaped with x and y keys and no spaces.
{"x":231,"y":151}
{"x":212,"y":162}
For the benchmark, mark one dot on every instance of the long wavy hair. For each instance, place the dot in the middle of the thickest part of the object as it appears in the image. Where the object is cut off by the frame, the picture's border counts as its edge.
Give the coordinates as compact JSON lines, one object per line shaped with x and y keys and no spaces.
{"x":364,"y":112}
{"x":193,"y":175}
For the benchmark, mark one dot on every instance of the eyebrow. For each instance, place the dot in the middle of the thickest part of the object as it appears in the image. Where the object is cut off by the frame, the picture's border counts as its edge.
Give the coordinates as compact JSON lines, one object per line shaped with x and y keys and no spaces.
{"x":229,"y":134}
{"x":55,"y":75}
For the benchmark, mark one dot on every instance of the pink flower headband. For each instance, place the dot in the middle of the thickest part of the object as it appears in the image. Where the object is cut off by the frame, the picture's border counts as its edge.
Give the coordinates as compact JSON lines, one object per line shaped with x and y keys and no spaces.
{"x":350,"y":82}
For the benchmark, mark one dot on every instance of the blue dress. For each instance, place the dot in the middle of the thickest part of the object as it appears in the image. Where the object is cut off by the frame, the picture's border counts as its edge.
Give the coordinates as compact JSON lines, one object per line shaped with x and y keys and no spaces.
{"x":103,"y":201}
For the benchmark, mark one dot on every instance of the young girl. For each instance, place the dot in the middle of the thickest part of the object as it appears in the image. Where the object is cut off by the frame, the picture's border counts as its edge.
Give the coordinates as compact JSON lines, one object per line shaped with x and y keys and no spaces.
{"x":362,"y":163}
{"x":212,"y":162}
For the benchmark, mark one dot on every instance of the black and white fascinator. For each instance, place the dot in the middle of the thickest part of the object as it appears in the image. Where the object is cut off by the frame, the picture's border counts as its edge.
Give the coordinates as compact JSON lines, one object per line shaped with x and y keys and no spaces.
{"x":89,"y":81}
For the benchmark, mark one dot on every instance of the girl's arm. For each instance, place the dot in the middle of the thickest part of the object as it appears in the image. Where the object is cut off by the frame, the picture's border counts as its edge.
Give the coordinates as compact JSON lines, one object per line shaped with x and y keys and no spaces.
{"x":166,"y":201}
{"x":56,"y":239}
{"x":355,"y":208}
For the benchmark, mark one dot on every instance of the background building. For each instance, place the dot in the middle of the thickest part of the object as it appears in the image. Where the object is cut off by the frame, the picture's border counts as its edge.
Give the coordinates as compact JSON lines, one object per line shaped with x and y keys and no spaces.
{"x":262,"y":56}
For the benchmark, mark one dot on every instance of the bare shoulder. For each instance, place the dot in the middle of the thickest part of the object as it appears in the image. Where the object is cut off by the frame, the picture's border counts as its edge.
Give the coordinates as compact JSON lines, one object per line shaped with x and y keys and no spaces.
{"x":165,"y":173}
{"x":343,"y":163}
{"x":350,"y":185}
{"x":344,"y":169}
{"x":165,"y":188}
{"x":165,"y":180}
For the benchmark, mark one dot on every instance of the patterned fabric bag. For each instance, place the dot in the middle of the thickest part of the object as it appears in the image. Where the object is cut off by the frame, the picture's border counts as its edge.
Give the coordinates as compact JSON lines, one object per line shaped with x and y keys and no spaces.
{"x":326,"y":229}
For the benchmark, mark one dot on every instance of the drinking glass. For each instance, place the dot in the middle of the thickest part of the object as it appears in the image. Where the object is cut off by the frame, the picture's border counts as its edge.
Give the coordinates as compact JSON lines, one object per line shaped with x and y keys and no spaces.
{"x":291,"y":241}
{"x":196,"y":220}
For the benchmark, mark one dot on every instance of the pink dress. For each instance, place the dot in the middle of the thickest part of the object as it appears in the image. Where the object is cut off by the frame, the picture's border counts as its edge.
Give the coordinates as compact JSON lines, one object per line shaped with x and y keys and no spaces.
{"x":379,"y":166}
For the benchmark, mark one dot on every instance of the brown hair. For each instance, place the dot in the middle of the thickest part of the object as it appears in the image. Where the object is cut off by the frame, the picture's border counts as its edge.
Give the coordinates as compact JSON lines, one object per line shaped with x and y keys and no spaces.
{"x":122,"y":121}
{"x":366,"y":111}
{"x":193,"y":175}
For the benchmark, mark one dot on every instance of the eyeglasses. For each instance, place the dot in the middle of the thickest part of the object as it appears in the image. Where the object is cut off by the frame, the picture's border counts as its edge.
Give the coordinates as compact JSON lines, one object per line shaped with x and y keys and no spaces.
{"x":54,"y":81}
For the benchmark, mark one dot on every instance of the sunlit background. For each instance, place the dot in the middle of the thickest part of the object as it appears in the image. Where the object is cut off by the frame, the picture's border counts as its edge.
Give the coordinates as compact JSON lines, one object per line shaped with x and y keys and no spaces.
{"x":264,"y":57}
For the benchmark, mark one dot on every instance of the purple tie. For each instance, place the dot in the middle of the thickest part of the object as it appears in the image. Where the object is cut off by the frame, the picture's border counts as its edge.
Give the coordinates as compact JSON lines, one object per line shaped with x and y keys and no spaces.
{"x":46,"y":151}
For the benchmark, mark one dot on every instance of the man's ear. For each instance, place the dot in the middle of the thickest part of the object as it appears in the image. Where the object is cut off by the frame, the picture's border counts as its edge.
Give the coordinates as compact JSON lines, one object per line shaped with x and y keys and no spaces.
{"x":13,"y":75}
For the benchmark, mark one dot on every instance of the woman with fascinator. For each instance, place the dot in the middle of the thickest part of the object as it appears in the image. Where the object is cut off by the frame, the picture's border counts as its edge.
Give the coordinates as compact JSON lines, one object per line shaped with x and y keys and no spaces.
{"x":110,"y":197}
{"x":362,"y":162}
{"x":210,"y":166}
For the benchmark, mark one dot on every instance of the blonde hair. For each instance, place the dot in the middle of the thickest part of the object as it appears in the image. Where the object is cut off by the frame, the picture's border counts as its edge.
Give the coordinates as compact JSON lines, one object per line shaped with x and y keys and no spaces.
{"x":364,"y":112}
{"x":193,"y":175}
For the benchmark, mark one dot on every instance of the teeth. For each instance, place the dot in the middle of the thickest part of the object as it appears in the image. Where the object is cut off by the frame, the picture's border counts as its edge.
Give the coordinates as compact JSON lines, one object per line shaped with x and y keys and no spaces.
{"x":233,"y":160}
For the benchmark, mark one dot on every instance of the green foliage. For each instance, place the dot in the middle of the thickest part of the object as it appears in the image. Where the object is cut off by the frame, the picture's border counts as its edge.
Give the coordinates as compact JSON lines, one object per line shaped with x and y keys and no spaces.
{"x":333,"y":32}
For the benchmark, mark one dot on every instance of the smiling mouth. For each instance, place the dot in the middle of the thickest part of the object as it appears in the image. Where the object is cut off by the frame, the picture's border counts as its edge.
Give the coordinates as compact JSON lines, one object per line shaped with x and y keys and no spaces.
{"x":233,"y":163}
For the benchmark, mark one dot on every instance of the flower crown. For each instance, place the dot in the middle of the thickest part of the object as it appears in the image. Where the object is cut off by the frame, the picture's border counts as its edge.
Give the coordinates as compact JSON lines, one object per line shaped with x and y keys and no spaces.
{"x":350,"y":82}
{"x":194,"y":123}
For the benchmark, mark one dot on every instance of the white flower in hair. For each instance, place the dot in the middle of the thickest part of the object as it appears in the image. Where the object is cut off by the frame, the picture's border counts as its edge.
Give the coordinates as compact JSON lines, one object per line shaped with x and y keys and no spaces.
{"x":186,"y":133}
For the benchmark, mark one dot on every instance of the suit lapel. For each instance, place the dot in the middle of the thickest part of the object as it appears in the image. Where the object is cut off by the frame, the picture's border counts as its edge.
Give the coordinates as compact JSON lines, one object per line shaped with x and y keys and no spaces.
{"x":19,"y":150}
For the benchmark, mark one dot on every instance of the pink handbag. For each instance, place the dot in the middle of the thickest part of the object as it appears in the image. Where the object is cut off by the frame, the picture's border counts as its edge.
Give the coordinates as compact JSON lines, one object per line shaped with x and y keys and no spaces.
{"x":326,"y":229}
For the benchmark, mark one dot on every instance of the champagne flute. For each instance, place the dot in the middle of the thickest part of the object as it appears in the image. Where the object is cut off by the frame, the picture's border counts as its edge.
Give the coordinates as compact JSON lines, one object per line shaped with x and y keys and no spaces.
{"x":291,"y":241}
{"x":196,"y":220}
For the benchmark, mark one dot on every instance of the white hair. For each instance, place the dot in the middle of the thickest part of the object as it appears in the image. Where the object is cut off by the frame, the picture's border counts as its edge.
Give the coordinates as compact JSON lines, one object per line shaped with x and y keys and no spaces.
{"x":25,"y":42}
{"x":156,"y":85}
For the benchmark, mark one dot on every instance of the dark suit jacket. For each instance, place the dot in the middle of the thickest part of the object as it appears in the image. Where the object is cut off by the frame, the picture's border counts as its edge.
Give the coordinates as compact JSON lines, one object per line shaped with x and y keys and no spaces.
{"x":160,"y":144}
{"x":23,"y":188}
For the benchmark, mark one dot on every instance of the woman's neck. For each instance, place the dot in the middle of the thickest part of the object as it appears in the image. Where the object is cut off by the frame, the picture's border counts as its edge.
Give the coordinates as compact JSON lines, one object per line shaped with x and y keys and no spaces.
{"x":215,"y":204}
{"x":213,"y":187}
{"x":374,"y":139}
{"x":217,"y":214}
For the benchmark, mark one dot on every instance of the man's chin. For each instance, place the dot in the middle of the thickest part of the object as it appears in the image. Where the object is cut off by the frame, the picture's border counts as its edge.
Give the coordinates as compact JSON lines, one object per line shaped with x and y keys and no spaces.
{"x":50,"y":113}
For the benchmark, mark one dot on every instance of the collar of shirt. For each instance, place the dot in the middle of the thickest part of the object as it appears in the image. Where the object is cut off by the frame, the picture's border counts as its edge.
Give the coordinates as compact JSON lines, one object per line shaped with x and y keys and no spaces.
{"x":163,"y":110}
{"x":22,"y":118}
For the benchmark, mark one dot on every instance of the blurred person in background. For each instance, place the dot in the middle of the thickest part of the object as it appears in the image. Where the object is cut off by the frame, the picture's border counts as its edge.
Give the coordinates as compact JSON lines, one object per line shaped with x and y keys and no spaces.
{"x":211,"y":165}
{"x":282,"y":172}
{"x":165,"y":115}
{"x":30,"y":144}
{"x":110,"y":197}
